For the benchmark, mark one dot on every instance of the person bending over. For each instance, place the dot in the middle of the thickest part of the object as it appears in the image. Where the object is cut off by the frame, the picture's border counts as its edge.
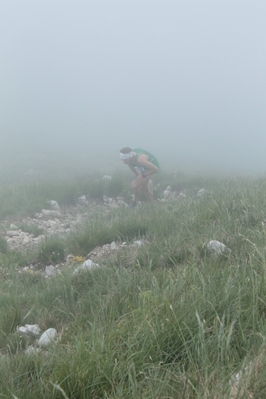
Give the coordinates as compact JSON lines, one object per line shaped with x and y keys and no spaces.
{"x":143,"y":164}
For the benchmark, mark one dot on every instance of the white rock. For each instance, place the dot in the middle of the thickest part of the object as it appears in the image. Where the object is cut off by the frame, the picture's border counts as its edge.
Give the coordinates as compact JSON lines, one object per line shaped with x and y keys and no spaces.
{"x":201,"y":192}
{"x":39,"y":239}
{"x":26,"y":240}
{"x":12,"y":233}
{"x":50,"y":270}
{"x":120,"y":200}
{"x":107,"y":177}
{"x":22,"y":330}
{"x":13,"y":227}
{"x":29,"y":329}
{"x":31,"y":350}
{"x":47,"y":337}
{"x":33,"y":329}
{"x":83,"y":200}
{"x":167,"y":192}
{"x":87,"y":265}
{"x":138,"y":243}
{"x":107,"y":200}
{"x":48,"y":212}
{"x":54,"y":205}
{"x":113,"y":245}
{"x":51,"y":223}
{"x":217,"y":247}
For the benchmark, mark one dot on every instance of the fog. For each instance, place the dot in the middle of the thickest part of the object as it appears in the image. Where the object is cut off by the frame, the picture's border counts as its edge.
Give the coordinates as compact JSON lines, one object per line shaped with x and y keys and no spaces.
{"x":183,"y":79}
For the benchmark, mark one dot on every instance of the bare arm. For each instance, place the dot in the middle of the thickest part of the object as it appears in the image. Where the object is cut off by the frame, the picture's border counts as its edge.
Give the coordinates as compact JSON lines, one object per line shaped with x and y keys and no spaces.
{"x":143,"y":161}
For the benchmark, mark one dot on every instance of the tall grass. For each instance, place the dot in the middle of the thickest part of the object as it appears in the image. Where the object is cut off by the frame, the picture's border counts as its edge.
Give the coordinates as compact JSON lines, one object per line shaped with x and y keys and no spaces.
{"x":163,"y":320}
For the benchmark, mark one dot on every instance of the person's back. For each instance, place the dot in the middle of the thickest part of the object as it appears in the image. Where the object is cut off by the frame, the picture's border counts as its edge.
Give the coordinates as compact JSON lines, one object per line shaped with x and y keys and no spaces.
{"x":151,"y":157}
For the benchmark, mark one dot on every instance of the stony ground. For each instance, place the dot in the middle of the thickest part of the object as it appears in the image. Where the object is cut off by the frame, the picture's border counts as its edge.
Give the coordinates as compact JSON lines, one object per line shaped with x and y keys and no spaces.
{"x":24,"y":234}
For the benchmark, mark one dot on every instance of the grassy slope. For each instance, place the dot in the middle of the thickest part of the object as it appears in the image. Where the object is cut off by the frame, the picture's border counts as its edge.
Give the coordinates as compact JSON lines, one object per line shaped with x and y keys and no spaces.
{"x":161,"y":321}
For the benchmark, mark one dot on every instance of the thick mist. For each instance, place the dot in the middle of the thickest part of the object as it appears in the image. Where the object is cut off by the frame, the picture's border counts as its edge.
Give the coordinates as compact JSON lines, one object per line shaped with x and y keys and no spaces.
{"x":182,"y":79}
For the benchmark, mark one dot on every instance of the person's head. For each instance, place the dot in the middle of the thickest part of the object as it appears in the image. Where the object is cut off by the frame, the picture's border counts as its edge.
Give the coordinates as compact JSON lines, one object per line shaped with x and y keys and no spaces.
{"x":126,"y":155}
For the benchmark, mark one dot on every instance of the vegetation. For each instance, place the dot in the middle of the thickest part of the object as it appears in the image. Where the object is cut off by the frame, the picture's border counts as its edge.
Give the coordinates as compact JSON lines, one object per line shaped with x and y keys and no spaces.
{"x":162,"y":320}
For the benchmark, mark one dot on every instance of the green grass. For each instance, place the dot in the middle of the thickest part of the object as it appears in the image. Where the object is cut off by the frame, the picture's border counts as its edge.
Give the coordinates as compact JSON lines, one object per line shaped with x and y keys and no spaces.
{"x":163,"y":320}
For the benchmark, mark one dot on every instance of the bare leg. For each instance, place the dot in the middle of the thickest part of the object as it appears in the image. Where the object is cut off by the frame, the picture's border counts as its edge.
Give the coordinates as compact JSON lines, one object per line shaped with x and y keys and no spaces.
{"x":136,"y":190}
{"x":146,"y":190}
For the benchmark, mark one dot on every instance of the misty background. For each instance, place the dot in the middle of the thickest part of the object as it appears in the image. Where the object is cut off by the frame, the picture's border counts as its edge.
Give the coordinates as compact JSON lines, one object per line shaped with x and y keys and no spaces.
{"x":183,"y":79}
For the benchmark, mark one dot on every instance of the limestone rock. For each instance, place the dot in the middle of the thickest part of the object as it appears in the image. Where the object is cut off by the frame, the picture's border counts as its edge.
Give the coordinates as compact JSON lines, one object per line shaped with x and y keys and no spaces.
{"x":83,"y":200}
{"x":13,"y":227}
{"x":217,"y":248}
{"x":87,"y":265}
{"x":31,"y":350}
{"x":50,"y":270}
{"x":48,"y":212}
{"x":47,"y":337}
{"x":29,"y":329}
{"x":201,"y":192}
{"x":12,"y":233}
{"x":54,"y":205}
{"x":167,"y":192}
{"x":107,"y":177}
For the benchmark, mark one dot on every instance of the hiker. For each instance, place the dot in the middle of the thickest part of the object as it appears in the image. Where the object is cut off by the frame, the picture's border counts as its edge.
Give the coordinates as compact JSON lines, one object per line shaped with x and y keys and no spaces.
{"x":143,"y":164}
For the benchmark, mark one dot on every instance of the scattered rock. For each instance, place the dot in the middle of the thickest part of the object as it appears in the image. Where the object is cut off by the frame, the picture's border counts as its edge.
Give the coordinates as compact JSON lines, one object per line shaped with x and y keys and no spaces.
{"x":47,"y":337}
{"x":107,"y":200}
{"x":201,"y":192}
{"x":48,"y":212}
{"x":50,"y":270}
{"x":31,"y":350}
{"x":54,"y":205}
{"x":13,"y":227}
{"x":113,"y":245}
{"x":83,"y":200}
{"x":120,"y":200}
{"x":29,"y":329}
{"x":12,"y":233}
{"x":138,"y":243}
{"x":107,"y":177}
{"x":87,"y":265}
{"x":167,"y":192}
{"x":52,"y":222}
{"x":217,"y":248}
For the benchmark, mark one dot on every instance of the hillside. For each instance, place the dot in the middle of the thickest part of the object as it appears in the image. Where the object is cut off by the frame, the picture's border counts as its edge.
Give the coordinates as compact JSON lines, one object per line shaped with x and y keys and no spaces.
{"x":156,"y":314}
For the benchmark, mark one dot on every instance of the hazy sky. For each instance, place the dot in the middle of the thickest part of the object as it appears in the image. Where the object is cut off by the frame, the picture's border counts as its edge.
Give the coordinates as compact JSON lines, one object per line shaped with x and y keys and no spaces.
{"x":182,"y":79}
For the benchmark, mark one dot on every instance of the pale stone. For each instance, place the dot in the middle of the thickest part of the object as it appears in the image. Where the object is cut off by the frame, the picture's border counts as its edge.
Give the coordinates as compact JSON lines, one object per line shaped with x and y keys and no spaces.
{"x":29,"y":329}
{"x":33,"y":329}
{"x":87,"y":265}
{"x":138,"y":243}
{"x":47,"y":337}
{"x":13,"y":227}
{"x":217,"y":247}
{"x":12,"y":233}
{"x":107,"y":177}
{"x":50,"y":270}
{"x":83,"y":200}
{"x":31,"y":350}
{"x":113,"y":245}
{"x":48,"y":212}
{"x":54,"y":205}
{"x":201,"y":192}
